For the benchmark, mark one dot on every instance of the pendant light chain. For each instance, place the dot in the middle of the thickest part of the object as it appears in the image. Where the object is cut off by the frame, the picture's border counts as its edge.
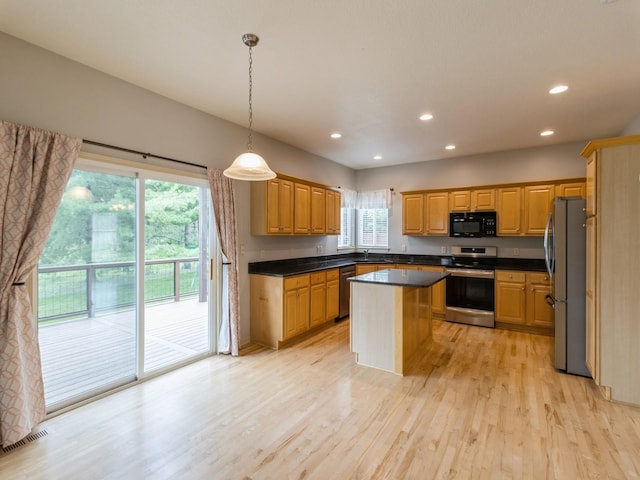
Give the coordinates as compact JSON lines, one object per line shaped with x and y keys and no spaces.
{"x":250,"y":139}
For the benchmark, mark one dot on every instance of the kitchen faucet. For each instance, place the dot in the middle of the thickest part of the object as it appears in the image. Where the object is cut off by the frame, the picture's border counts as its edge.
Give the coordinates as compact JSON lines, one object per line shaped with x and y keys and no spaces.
{"x":366,"y":253}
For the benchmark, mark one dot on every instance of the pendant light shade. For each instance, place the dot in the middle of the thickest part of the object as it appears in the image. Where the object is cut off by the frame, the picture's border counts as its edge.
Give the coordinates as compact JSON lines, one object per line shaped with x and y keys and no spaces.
{"x":250,"y":166}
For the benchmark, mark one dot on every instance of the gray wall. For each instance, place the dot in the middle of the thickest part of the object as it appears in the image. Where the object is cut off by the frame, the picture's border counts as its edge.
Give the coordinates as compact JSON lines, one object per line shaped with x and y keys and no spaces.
{"x":633,"y":128}
{"x":44,"y":90}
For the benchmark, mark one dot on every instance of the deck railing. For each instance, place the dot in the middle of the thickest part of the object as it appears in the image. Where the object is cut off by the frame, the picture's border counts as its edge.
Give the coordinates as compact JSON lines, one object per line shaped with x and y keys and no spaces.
{"x":76,"y":291}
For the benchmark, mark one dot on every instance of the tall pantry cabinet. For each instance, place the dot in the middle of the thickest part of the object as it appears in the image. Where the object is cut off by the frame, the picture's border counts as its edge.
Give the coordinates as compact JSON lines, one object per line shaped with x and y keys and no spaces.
{"x":613,"y":266}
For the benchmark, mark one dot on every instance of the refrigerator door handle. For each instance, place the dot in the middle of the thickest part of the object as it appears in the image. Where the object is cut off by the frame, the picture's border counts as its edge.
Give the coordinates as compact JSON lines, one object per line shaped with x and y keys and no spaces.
{"x":549,"y":250}
{"x":551,"y":300}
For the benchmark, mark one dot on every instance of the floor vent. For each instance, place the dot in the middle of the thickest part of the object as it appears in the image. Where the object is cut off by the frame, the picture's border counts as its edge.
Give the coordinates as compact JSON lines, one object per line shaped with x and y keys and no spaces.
{"x":28,"y":439}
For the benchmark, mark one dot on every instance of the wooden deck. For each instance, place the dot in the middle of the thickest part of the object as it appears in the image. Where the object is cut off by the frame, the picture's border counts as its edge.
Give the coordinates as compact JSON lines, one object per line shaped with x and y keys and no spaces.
{"x":92,"y":353}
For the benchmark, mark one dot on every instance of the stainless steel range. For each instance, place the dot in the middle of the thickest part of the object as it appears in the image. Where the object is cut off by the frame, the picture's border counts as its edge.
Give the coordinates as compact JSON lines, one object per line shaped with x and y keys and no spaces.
{"x":470,"y":286}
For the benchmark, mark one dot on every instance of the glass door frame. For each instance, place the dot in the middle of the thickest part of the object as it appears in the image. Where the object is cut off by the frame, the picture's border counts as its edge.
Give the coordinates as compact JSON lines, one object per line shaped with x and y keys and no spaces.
{"x":126,"y":168}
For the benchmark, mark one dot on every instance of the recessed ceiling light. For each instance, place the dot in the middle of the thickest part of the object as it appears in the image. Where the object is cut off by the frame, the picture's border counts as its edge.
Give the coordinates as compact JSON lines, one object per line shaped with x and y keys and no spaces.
{"x":558,"y":89}
{"x":546,"y":133}
{"x":450,"y":147}
{"x":336,"y":135}
{"x":426,"y":116}
{"x":377,"y":157}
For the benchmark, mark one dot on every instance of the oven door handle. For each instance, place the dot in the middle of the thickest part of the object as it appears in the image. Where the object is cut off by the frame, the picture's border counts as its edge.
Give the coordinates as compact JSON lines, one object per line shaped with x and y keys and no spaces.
{"x":454,"y":272}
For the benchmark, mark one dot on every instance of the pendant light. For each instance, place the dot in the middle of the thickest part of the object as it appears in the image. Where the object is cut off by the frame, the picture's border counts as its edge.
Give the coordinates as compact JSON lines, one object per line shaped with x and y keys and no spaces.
{"x":249,"y":165}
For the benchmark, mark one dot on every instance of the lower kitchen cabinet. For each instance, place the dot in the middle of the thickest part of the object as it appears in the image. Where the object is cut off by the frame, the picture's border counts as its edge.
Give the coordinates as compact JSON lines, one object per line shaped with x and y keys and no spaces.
{"x":363,"y":268}
{"x":521,"y":301}
{"x":282,"y":309}
{"x":296,"y":306}
{"x":318,"y":307}
{"x":333,"y":294}
{"x":325,"y":296}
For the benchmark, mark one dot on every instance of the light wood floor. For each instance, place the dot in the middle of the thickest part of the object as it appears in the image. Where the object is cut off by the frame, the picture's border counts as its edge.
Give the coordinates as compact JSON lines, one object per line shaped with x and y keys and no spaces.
{"x":482,"y":404}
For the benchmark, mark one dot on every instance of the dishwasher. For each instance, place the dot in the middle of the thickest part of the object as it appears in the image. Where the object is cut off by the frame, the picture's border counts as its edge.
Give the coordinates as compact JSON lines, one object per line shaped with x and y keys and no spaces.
{"x":345,"y":291}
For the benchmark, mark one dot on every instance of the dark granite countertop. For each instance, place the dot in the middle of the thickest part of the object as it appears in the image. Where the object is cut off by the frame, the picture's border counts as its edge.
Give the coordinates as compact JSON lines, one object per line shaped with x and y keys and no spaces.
{"x":400,"y":278}
{"x":297,"y":266}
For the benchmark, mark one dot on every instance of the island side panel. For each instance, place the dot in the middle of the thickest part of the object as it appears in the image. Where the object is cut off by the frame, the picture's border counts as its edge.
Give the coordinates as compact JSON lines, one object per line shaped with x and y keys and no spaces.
{"x":375,"y":310}
{"x":266,"y":310}
{"x":416,"y":323}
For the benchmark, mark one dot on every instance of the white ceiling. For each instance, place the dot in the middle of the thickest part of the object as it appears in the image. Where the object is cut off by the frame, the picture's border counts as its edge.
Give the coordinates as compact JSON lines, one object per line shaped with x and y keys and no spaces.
{"x":367,"y":68}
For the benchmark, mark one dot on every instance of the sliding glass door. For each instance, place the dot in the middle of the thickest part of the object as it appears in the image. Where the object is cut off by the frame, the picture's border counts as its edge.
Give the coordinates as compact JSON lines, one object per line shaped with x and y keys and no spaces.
{"x":123,"y":284}
{"x":175,"y":273}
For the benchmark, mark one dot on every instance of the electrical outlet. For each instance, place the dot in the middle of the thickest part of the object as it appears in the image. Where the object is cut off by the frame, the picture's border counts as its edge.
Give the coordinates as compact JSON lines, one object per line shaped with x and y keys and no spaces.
{"x":291,"y":252}
{"x":262,"y":254}
{"x":403,"y":248}
{"x":443,"y":250}
{"x":516,"y":252}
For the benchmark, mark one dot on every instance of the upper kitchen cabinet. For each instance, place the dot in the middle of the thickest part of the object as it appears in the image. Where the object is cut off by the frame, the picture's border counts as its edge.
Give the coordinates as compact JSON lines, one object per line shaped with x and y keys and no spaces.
{"x":289,"y":206}
{"x":272,"y":207}
{"x":509,"y":211}
{"x":333,"y":201}
{"x":318,"y":210}
{"x":573,"y":189}
{"x":301,"y":208}
{"x":437,"y":210}
{"x":475,"y":200}
{"x":413,"y":216}
{"x":591,"y":187}
{"x":522,"y":209}
{"x":613,"y":266}
{"x":538,"y":203}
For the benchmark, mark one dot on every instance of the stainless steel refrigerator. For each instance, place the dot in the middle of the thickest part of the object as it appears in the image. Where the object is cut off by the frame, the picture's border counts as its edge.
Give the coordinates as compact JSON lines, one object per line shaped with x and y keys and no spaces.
{"x":565,"y":256}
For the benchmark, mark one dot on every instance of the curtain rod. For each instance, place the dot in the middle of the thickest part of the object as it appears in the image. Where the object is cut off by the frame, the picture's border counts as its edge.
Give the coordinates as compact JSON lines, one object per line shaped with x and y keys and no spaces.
{"x":143,"y":154}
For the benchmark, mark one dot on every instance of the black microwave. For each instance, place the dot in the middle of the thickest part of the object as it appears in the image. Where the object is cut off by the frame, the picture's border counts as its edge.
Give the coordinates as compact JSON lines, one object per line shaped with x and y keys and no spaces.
{"x":472,"y":224}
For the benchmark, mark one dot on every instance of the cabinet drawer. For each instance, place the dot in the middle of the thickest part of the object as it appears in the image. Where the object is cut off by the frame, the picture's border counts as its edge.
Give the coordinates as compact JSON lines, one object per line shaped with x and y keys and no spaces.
{"x":318,"y":277}
{"x":296,"y":282}
{"x":333,"y":274}
{"x":540,"y":277}
{"x":509,"y":276}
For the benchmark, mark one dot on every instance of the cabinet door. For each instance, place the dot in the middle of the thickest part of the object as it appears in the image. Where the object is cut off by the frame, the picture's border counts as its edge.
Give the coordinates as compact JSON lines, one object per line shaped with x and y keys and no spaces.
{"x":460,"y":200}
{"x":510,"y":297}
{"x":303,"y":310}
{"x":279,"y":208}
{"x":318,"y":210}
{"x":361,"y":269}
{"x":318,"y":304}
{"x":290,"y":314}
{"x":333,"y":299}
{"x":591,"y":187}
{"x":413,"y":215}
{"x":509,"y":210}
{"x":592,"y":319}
{"x":332,"y":208}
{"x":538,"y":202}
{"x":539,"y":312}
{"x":437,"y":213}
{"x":302,"y":208}
{"x":483,"y":199}
{"x":575,"y":189}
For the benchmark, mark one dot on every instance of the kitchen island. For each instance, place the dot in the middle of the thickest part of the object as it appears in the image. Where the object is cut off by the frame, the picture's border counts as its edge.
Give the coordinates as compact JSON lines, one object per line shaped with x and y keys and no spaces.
{"x":391,"y":317}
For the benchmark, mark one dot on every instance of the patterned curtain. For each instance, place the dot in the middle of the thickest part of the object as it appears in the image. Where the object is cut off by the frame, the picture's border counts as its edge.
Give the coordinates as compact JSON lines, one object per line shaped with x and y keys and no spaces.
{"x":34,"y":168}
{"x":223,"y":197}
